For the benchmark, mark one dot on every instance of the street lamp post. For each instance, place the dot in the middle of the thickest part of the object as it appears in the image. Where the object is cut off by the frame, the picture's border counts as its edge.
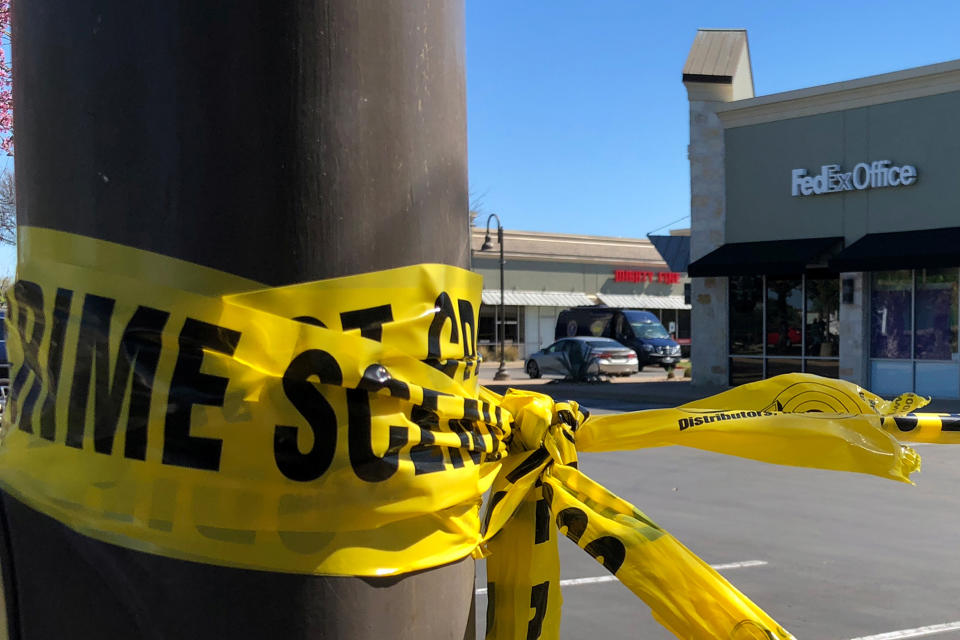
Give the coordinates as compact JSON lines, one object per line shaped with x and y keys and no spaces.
{"x":501,"y":373}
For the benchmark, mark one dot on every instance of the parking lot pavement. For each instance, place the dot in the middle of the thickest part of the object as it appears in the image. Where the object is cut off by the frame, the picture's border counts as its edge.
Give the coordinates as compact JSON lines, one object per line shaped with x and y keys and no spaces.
{"x":831,"y":556}
{"x":648,"y":389}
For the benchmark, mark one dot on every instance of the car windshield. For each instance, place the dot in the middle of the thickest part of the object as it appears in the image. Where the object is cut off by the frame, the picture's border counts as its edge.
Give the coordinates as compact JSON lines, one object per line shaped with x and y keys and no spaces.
{"x":649,"y":330}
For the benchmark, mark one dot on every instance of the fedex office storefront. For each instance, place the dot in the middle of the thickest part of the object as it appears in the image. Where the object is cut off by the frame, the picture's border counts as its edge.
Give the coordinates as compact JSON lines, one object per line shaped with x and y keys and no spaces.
{"x":831,"y":241}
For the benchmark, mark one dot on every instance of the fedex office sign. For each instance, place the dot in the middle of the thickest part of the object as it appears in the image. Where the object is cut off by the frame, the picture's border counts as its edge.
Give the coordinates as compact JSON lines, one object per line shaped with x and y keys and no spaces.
{"x":873,"y":175}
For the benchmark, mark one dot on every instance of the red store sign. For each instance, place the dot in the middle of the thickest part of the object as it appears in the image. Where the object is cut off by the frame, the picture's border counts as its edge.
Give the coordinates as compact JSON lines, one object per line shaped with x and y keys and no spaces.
{"x":663,"y":277}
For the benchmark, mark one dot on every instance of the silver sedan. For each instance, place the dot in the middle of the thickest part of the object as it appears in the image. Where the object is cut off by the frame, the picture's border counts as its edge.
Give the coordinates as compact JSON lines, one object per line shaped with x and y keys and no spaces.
{"x":579,"y":357}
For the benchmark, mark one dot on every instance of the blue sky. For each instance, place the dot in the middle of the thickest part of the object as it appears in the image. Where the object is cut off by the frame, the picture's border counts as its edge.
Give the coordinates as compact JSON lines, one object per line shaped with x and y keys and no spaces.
{"x":577,"y":116}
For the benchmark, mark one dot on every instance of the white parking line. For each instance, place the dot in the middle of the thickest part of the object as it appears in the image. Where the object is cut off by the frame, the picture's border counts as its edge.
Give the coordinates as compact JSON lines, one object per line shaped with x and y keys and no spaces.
{"x":739,"y":565}
{"x":573,"y":582}
{"x":914,"y":633}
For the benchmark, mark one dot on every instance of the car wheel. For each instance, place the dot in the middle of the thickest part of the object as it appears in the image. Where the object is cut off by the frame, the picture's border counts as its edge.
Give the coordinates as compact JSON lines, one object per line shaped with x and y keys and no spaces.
{"x":533,"y":370}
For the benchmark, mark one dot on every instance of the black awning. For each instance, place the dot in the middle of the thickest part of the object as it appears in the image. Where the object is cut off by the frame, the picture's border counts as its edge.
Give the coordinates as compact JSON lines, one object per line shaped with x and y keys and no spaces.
{"x":928,"y":248}
{"x":675,"y":251}
{"x":771,"y":257}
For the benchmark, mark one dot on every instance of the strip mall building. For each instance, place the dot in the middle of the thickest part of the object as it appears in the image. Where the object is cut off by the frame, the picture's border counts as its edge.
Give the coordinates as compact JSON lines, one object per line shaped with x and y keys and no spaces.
{"x":824,"y":224}
{"x":545,"y":273}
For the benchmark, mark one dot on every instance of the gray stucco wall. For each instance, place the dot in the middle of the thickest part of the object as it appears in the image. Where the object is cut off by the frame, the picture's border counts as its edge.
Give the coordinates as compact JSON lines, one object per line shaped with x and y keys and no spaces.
{"x":924,"y":132}
{"x":855,"y":332}
{"x":535,"y":275}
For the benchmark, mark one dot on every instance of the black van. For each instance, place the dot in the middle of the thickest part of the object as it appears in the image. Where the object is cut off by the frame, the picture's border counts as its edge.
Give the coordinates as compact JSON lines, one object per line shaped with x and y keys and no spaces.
{"x":639,"y":330}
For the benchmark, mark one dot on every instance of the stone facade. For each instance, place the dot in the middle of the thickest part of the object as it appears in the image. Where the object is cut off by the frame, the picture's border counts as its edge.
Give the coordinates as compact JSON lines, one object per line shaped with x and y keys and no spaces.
{"x":708,"y":317}
{"x":717,"y":71}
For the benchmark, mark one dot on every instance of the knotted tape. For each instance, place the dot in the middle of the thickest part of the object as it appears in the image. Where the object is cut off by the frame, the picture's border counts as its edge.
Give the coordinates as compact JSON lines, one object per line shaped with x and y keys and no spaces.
{"x":337,"y":427}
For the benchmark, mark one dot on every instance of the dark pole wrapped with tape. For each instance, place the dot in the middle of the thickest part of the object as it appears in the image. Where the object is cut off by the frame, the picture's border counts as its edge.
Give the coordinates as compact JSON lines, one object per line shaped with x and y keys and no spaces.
{"x":283,"y":142}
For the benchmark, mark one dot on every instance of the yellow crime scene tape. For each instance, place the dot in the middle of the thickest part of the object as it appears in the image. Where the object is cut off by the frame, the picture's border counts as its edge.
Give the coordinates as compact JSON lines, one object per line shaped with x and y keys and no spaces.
{"x":338,"y":428}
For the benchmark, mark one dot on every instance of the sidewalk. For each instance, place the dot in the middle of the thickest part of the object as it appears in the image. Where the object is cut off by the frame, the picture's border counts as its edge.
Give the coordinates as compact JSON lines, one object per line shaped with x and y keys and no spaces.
{"x":649,"y":386}
{"x":664,"y":392}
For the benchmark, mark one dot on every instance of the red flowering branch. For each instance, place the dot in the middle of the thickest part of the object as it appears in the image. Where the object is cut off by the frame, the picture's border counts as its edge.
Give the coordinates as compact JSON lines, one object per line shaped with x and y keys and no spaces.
{"x":6,"y":81}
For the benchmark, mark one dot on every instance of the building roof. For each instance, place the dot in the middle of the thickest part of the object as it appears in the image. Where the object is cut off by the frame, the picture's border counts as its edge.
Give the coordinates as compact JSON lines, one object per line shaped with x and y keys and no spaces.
{"x":565,"y":247}
{"x":536,"y":298}
{"x":642,"y":301}
{"x":718,"y":66}
{"x":715,"y":52}
{"x":907,"y":84}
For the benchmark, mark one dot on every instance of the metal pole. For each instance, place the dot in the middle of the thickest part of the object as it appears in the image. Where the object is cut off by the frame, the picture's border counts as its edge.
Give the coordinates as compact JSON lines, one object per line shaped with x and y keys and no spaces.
{"x":282,"y":142}
{"x":501,"y":323}
{"x":501,"y":372}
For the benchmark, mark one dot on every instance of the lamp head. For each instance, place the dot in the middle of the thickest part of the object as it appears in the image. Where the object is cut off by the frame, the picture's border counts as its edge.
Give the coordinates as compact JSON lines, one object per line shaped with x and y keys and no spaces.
{"x":487,"y":245}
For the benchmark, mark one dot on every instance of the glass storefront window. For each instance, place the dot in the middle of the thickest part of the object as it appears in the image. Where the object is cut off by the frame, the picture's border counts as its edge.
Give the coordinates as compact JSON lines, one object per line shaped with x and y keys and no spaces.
{"x":936,"y":314}
{"x":784,"y":312}
{"x":783,"y":325}
{"x":683,"y":324}
{"x":913,"y":332}
{"x":891,"y":321}
{"x":488,"y":324}
{"x":511,"y":327}
{"x":746,"y":315}
{"x":744,"y":370}
{"x":822,"y":322}
{"x":825,"y":368}
{"x":777,"y":366}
